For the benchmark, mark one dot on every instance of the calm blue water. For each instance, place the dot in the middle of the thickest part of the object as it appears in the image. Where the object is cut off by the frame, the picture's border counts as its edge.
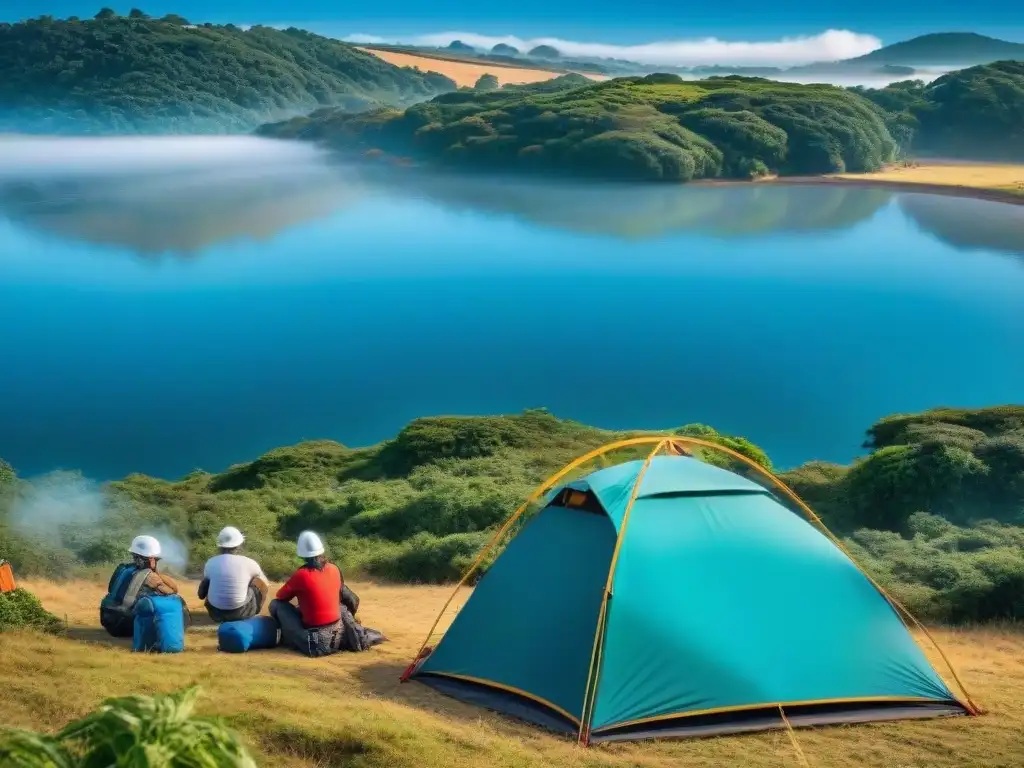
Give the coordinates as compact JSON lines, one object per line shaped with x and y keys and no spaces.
{"x":166,"y":322}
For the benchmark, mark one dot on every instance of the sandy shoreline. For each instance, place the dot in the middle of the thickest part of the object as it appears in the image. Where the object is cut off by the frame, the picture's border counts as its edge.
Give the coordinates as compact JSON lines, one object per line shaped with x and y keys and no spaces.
{"x":1003,"y":183}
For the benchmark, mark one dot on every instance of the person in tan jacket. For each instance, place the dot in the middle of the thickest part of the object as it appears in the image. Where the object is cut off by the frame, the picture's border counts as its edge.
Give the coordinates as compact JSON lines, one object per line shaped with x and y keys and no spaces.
{"x":133,"y":581}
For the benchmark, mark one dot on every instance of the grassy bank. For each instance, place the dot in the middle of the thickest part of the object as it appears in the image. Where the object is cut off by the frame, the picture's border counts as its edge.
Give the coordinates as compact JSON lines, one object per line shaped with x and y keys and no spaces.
{"x":350,"y":709}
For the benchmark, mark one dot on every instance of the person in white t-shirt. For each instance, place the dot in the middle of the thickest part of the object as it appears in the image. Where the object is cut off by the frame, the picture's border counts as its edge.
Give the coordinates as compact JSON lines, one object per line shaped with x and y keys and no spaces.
{"x":234,"y":586}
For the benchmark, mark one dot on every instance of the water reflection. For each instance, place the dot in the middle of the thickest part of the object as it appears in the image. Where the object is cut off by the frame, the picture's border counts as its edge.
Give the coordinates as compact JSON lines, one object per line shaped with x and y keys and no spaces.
{"x":648,"y":211}
{"x":181,"y":214}
{"x":968,"y":224}
{"x":186,"y":212}
{"x":183,"y":196}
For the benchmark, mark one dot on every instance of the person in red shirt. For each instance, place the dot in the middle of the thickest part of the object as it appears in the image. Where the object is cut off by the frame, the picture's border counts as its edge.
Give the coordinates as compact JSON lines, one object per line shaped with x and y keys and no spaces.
{"x":324,"y":621}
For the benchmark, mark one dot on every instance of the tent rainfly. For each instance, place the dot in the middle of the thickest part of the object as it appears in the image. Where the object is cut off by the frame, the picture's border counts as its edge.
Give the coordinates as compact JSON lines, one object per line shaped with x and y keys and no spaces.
{"x":671,"y":597}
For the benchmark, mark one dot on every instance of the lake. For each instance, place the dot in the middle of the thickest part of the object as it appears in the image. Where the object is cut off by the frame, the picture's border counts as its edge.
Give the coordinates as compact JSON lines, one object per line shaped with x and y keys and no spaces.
{"x":176,"y":304}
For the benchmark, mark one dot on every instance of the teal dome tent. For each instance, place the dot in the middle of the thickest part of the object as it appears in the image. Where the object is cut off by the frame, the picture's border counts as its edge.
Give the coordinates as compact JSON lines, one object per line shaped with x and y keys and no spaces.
{"x":670,"y":597}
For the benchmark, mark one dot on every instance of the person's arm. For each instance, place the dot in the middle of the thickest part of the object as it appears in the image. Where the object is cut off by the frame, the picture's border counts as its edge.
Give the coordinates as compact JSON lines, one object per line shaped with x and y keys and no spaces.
{"x":204,"y":588}
{"x":257,"y":572}
{"x":292,"y":587}
{"x":161,"y":584}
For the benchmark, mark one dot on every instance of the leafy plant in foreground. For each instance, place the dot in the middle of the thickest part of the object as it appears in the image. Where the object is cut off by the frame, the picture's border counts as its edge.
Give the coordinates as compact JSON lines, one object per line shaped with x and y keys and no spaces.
{"x":144,"y":731}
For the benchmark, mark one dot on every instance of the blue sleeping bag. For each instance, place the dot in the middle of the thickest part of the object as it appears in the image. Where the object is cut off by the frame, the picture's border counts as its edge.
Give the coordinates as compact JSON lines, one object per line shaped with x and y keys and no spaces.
{"x":253,"y":634}
{"x":159,"y":624}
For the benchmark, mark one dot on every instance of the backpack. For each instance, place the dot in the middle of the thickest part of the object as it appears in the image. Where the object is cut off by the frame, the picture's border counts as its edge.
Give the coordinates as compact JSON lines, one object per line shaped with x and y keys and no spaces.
{"x":124,"y":586}
{"x":253,"y":634}
{"x":159,"y":624}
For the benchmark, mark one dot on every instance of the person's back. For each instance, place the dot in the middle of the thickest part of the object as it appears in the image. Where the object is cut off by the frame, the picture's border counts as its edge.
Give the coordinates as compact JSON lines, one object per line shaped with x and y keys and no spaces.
{"x":234,"y":586}
{"x":318,"y":591}
{"x":230,"y":576}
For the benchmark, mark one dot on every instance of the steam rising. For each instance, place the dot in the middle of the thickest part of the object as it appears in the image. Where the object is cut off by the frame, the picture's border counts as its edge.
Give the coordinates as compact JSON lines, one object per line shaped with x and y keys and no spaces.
{"x":62,"y":509}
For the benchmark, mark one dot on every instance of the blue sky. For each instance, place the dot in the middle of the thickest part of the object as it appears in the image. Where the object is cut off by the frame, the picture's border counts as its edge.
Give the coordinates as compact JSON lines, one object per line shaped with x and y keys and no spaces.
{"x":591,"y":21}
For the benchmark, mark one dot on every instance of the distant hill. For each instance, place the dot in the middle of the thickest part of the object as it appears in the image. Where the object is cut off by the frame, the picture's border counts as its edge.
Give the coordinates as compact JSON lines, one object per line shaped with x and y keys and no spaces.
{"x":140,"y":75}
{"x":951,"y":50}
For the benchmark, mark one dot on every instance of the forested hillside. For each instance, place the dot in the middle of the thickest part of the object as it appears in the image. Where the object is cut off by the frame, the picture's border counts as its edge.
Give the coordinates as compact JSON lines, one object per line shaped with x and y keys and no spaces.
{"x":653,"y":128}
{"x":935,"y":510}
{"x":134,"y":74}
{"x":972,"y":113}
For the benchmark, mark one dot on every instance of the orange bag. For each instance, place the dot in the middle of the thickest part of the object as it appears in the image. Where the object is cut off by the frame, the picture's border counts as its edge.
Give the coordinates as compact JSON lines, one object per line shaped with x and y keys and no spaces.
{"x":6,"y":577}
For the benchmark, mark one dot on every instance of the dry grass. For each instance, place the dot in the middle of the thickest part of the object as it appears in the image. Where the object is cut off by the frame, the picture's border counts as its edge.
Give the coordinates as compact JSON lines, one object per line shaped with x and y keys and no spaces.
{"x":350,"y":709}
{"x":467,"y":73}
{"x":1004,"y":177}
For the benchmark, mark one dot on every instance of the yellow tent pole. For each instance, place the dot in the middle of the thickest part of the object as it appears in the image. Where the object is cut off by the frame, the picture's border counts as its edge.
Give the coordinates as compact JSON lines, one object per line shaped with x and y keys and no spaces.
{"x":537,"y":493}
{"x":590,"y":694}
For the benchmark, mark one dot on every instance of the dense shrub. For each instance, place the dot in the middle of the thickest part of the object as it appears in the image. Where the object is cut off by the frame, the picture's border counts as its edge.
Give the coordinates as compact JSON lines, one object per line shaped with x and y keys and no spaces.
{"x":21,"y":609}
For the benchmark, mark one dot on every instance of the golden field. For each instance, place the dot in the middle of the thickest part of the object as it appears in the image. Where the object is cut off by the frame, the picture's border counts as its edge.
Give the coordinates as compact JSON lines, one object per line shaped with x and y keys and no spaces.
{"x":350,"y":709}
{"x":466,"y":73}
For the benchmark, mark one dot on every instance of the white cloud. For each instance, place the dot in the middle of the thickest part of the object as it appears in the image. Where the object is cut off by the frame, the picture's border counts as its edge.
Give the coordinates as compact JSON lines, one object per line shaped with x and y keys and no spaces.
{"x":831,"y":45}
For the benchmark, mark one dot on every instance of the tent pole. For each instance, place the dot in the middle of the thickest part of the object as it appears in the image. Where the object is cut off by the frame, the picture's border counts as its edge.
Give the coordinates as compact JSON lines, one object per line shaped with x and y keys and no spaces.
{"x":593,"y":674}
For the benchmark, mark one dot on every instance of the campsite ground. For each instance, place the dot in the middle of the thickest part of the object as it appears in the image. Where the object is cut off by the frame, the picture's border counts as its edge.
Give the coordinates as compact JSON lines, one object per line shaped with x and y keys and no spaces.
{"x":350,"y":709}
{"x":468,"y":72}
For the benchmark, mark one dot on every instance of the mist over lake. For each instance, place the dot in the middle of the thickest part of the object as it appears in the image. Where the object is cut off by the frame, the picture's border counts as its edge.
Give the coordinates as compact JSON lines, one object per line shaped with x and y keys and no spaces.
{"x":169,"y":304}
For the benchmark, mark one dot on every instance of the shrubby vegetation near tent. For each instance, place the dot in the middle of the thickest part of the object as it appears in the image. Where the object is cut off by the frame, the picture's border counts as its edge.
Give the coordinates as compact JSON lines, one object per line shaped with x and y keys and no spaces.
{"x":653,"y":128}
{"x":140,"y":75}
{"x":935,"y":510}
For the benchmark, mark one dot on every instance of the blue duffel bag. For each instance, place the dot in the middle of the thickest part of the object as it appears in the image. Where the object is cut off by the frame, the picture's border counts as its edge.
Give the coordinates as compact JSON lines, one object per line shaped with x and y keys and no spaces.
{"x":159,"y":624}
{"x":253,"y":634}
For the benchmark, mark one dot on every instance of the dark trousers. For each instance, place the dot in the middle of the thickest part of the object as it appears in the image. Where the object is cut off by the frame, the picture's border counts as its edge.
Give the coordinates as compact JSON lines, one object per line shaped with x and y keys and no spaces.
{"x":252,"y":607}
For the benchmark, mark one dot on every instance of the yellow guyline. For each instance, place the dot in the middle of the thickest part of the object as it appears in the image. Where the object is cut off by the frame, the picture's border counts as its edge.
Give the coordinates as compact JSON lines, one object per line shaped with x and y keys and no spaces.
{"x":678,"y":444}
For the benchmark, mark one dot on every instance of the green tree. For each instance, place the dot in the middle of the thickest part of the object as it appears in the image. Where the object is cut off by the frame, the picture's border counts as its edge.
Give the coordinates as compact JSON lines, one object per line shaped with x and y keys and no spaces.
{"x":487,"y":82}
{"x":135,"y":13}
{"x":106,"y":13}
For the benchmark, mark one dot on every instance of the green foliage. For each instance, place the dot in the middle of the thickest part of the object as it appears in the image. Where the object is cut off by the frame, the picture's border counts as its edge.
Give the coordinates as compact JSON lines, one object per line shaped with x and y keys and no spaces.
{"x":973,"y":113}
{"x":152,"y":731}
{"x":20,"y":609}
{"x":487,"y":82}
{"x":7,"y":474}
{"x":138,"y":75}
{"x":653,"y":128}
{"x":933,"y":509}
{"x":946,"y":573}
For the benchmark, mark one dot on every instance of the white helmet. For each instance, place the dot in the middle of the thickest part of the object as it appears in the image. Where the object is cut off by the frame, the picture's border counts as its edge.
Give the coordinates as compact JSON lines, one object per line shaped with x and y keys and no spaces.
{"x":145,"y":546}
{"x":230,"y":537}
{"x":309,"y":545}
